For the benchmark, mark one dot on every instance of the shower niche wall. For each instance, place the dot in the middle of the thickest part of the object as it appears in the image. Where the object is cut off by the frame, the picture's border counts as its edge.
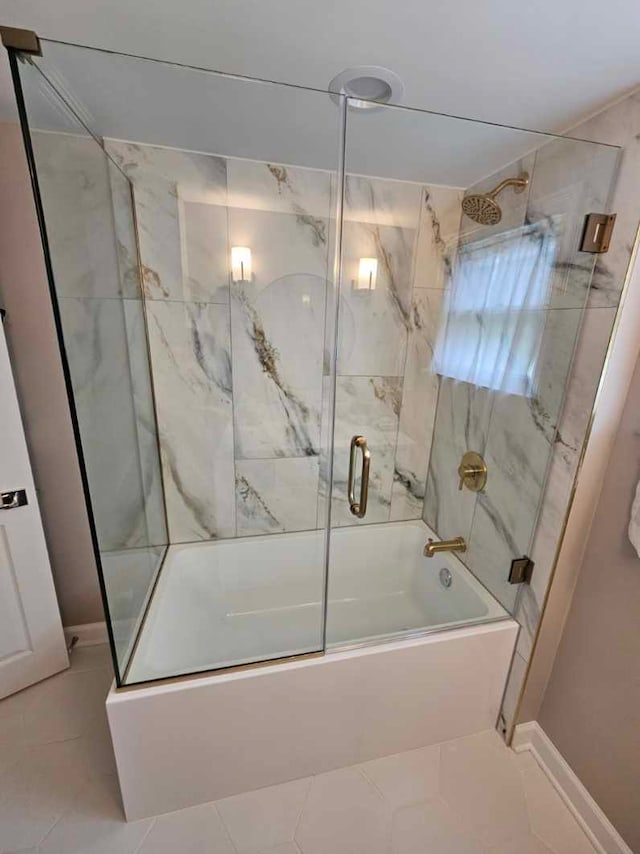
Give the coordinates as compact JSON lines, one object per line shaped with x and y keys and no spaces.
{"x":246,"y":277}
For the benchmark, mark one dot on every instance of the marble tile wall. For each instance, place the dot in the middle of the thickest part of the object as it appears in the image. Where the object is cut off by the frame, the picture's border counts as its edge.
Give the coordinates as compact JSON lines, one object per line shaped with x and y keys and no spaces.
{"x":516,"y":434}
{"x":386,"y":389}
{"x":99,"y":295}
{"x":617,"y":125}
{"x":241,"y":372}
{"x":464,"y":410}
{"x":532,"y":446}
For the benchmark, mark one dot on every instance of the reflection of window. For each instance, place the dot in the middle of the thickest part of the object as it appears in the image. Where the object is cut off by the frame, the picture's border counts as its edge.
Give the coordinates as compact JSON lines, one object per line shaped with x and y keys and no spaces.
{"x":493,"y":328}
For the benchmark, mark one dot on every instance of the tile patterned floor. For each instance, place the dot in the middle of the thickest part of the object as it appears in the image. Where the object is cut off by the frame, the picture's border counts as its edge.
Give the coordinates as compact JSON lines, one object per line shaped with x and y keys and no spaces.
{"x":59,"y":793}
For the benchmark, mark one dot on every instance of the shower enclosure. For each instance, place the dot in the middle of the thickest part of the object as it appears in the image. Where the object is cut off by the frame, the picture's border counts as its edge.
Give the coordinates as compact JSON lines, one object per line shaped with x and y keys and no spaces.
{"x":282,"y":333}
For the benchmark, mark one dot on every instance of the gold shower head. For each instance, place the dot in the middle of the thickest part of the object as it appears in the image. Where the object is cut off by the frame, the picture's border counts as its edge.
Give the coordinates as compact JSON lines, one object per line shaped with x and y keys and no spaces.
{"x":483,"y":208}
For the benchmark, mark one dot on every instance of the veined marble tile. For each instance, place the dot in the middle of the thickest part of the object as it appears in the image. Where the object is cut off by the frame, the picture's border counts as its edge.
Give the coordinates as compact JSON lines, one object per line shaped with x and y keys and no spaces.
{"x":157,"y":215}
{"x":281,"y":244}
{"x":517,"y":454}
{"x":462,"y":422}
{"x":570,"y":179}
{"x":201,"y":177}
{"x":418,"y":410}
{"x":96,"y":342}
{"x":205,"y":251}
{"x":125,"y":234}
{"x":527,"y":612}
{"x":306,"y":193}
{"x":273,"y":496}
{"x":581,"y":391}
{"x":278,"y":327}
{"x":369,"y":406}
{"x":326,"y":448}
{"x":190,"y":349}
{"x":376,"y":201}
{"x":145,"y":422}
{"x":376,"y":343}
{"x":515,"y":681}
{"x":163,"y":180}
{"x":437,"y":237}
{"x":617,"y":125}
{"x":73,"y":175}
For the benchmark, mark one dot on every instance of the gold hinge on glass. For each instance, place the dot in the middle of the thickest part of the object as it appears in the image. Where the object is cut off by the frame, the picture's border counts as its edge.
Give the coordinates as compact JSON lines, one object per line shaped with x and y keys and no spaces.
{"x":521,"y":570}
{"x":25,"y":41}
{"x":597,"y":231}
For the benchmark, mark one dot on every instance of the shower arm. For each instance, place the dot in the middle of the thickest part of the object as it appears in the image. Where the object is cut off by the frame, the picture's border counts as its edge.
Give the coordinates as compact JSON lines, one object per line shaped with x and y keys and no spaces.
{"x":521,"y":183}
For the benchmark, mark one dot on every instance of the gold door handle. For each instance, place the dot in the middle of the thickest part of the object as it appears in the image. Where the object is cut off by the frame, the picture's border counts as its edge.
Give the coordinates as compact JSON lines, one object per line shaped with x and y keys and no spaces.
{"x":358,"y":508}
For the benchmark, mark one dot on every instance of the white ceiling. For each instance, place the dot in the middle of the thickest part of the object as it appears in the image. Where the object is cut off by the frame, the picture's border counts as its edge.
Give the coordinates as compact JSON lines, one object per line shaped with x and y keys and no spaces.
{"x":537,"y":64}
{"x":159,"y":103}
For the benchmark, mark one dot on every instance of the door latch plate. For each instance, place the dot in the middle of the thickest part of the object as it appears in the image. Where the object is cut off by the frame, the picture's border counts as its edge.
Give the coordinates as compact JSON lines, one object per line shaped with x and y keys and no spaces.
{"x":12,"y":499}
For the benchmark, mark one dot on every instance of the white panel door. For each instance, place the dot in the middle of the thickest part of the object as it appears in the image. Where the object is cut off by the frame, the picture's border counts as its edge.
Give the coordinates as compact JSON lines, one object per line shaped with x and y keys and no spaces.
{"x":32,"y":644}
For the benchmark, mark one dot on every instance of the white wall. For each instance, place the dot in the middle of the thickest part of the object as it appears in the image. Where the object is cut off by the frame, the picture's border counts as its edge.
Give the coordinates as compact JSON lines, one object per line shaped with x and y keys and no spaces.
{"x":35,"y":357}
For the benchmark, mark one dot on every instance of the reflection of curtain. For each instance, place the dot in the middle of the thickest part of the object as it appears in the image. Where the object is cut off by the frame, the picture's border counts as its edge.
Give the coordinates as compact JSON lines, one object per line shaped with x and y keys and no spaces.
{"x":493,"y":328}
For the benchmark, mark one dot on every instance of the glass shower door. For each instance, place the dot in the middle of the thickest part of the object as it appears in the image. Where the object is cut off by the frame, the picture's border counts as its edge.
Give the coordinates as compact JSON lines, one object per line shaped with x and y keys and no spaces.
{"x":456,"y":333}
{"x":230,"y":422}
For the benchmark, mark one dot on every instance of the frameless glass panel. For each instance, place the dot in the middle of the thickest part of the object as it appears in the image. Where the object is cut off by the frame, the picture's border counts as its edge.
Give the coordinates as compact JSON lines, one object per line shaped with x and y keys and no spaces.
{"x":235,"y":187}
{"x":91,"y":240}
{"x":456,"y":333}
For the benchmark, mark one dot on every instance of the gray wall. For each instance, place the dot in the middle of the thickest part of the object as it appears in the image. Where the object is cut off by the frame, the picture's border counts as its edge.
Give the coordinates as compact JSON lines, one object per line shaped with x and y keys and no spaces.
{"x":591,"y":709}
{"x":34,"y":353}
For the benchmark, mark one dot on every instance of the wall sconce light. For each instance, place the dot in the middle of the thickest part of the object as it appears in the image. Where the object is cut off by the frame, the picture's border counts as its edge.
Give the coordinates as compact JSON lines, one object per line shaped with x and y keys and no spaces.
{"x":367,"y":274}
{"x":240,"y":264}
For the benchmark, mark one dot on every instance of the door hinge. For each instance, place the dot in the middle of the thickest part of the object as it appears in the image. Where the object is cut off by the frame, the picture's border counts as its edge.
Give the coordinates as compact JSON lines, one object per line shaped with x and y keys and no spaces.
{"x":597,"y":231}
{"x":521,"y":570}
{"x":24,"y":41}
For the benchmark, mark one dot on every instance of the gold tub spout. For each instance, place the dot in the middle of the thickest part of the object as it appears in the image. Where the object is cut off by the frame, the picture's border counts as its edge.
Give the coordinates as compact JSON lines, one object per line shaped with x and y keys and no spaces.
{"x":432,"y":548}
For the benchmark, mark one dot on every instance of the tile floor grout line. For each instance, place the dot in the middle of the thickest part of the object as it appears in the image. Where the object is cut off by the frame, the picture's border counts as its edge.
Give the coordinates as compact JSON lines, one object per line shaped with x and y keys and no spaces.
{"x":152,"y":824}
{"x":521,"y":773}
{"x":62,"y":814}
{"x":302,"y":809}
{"x":372,"y":783}
{"x":542,"y":842}
{"x":226,"y":830}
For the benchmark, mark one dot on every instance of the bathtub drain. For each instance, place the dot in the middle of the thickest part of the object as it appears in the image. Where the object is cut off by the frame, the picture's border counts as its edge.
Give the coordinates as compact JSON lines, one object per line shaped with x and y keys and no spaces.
{"x":445,"y":577}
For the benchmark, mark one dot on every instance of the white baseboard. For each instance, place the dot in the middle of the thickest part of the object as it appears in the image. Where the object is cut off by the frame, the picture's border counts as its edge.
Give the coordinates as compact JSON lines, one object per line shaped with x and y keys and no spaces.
{"x":596,"y":825}
{"x":88,"y":634}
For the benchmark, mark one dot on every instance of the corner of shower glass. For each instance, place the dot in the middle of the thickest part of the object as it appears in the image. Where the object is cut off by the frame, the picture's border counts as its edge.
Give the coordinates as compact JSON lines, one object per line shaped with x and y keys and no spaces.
{"x":94,"y":279}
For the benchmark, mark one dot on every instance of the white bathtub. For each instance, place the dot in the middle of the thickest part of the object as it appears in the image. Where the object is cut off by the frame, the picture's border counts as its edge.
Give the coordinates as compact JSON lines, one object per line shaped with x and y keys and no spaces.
{"x":425,"y":664}
{"x":240,"y":601}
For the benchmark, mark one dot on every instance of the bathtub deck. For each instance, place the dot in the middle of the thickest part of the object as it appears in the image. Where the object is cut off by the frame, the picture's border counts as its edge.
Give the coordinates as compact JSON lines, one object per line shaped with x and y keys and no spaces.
{"x":241,"y":601}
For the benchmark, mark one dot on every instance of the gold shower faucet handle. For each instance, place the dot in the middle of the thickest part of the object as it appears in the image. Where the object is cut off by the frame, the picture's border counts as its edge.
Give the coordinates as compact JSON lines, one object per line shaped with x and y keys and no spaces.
{"x":472,"y":472}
